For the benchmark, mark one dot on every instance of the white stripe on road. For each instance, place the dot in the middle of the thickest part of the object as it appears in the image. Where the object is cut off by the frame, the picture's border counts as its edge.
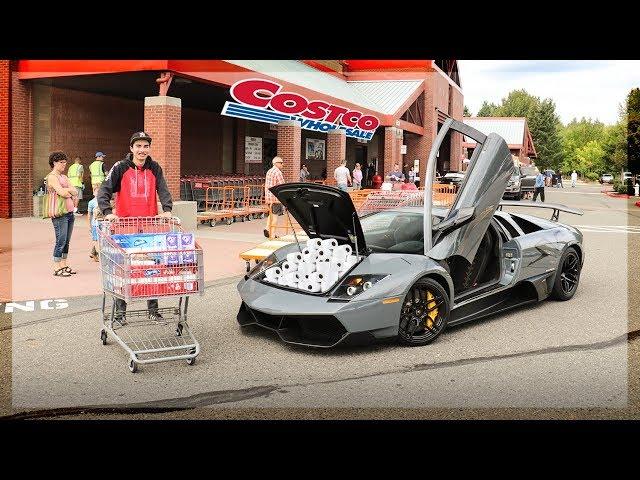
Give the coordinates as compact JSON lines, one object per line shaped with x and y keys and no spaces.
{"x":609,"y":228}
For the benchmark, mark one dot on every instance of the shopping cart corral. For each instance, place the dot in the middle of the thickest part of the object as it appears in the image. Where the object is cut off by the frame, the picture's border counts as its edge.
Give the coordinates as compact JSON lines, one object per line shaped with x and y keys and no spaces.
{"x":144,"y":258}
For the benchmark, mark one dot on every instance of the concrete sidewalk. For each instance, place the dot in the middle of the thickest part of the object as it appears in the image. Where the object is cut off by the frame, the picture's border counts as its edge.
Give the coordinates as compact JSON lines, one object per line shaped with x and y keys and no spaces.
{"x":26,"y":259}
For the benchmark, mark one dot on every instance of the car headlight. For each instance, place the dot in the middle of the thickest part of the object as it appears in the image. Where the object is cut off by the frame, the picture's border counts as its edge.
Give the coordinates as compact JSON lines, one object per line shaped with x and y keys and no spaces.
{"x":354,"y":285}
{"x":259,"y":269}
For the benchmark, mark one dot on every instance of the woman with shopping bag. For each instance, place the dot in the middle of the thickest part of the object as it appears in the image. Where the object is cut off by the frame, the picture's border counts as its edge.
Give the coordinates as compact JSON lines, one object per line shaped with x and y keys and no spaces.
{"x":59,"y":202}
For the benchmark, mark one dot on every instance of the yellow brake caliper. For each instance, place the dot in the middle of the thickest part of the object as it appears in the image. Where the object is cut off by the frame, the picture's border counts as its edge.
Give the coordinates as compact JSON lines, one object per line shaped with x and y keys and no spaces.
{"x":431,"y":317}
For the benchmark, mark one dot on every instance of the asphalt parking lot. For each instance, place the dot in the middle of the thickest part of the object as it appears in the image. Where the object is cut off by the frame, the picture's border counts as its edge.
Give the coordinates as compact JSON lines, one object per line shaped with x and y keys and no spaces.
{"x":575,"y":359}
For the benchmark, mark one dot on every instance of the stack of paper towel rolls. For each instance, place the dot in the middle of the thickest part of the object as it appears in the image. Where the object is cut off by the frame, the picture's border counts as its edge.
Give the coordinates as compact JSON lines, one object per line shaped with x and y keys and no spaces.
{"x":317,"y":269}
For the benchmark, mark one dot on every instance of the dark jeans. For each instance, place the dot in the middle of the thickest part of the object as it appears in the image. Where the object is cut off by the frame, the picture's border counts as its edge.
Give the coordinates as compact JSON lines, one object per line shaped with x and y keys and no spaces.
{"x":121,"y":306}
{"x":63,"y":227}
{"x":539,"y":190}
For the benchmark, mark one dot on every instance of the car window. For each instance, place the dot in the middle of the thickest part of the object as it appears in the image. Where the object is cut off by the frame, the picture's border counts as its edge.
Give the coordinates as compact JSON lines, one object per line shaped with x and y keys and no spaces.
{"x":529,"y":171}
{"x":395,"y":232}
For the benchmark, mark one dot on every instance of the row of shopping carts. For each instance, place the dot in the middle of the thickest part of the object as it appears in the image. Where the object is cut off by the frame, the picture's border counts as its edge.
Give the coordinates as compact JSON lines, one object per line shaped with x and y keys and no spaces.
{"x":194,"y":187}
{"x":233,"y":203}
{"x":372,"y":200}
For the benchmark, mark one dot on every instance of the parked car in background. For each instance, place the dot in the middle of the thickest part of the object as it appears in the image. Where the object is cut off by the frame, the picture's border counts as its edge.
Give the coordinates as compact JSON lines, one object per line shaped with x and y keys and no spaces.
{"x":454,"y":178}
{"x":606,"y":178}
{"x":513,"y":189}
{"x":626,"y":175}
{"x":528,"y":179}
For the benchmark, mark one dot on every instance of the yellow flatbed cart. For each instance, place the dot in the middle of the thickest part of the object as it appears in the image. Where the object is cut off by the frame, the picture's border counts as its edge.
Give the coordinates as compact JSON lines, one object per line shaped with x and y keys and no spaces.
{"x":262,"y":251}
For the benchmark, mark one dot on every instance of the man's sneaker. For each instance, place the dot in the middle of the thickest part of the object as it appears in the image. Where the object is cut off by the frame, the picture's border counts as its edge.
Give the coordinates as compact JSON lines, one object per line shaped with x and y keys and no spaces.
{"x":265,"y":232}
{"x":156,"y":317}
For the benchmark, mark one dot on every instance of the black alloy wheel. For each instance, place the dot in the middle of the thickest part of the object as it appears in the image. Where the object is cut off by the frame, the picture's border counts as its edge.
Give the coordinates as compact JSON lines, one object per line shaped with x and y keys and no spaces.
{"x":424,"y":314}
{"x":568,"y":275}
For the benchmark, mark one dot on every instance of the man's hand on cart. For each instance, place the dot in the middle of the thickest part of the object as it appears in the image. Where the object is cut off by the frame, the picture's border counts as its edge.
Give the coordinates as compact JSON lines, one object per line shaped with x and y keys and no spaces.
{"x":165,"y":214}
{"x":111,"y":217}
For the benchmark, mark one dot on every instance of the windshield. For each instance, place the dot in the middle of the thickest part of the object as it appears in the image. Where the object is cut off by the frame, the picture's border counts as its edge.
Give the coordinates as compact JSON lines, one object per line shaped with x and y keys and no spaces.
{"x":395,"y":232}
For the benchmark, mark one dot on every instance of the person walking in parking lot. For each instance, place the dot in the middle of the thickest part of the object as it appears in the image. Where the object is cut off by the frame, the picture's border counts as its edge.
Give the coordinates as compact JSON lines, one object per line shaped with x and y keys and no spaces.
{"x":574,"y":179}
{"x":539,"y":187}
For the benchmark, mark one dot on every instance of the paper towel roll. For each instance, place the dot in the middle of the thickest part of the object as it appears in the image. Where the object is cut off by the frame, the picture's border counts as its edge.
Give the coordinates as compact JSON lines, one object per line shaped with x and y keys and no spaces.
{"x":273,"y":273}
{"x":350,"y":261}
{"x":312,"y":287}
{"x":324,"y":253}
{"x":339,"y":256}
{"x":337,"y":264}
{"x":316,"y":277}
{"x":310,"y":256}
{"x":323,"y":266}
{"x":307,"y":267}
{"x":295,"y":257}
{"x":329,"y":243}
{"x":289,"y":267}
{"x":343,"y":248}
{"x":282,"y":280}
{"x":302,"y":284}
{"x":314,"y":243}
{"x":292,"y":277}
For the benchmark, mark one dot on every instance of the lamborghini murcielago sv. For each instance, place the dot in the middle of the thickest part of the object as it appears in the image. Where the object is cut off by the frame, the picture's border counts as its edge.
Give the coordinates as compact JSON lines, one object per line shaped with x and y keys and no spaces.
{"x":416,"y":269}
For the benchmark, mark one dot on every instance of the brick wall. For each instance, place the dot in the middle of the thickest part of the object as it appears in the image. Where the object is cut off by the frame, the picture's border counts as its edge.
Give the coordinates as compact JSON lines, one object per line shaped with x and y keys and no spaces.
{"x":83,"y":123}
{"x":336,"y":152}
{"x":162,"y":120}
{"x":289,"y":141}
{"x":201,"y":142}
{"x":392,"y":144}
{"x":5,"y":144}
{"x":21,"y":148}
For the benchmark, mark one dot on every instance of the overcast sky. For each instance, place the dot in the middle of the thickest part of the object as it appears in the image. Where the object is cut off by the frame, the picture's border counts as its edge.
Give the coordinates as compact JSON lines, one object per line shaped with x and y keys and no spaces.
{"x":579,"y":88}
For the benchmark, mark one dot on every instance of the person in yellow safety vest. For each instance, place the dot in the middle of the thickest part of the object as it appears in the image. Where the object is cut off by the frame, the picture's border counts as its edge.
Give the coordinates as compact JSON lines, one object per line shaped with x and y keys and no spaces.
{"x":98,"y":172}
{"x":75,"y":174}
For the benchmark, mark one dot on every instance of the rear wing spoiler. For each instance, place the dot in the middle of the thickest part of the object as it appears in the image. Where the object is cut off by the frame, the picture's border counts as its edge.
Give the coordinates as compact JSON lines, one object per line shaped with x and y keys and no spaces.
{"x":556,"y":207}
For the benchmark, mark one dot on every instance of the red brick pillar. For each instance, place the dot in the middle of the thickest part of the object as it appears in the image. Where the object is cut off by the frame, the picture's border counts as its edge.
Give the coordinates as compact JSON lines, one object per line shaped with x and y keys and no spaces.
{"x":392,"y":144}
{"x":5,"y":144}
{"x":240,"y":130}
{"x":430,"y":123}
{"x":336,"y":152}
{"x":162,"y":120}
{"x":289,"y":145}
{"x":21,"y":148}
{"x":418,"y":146}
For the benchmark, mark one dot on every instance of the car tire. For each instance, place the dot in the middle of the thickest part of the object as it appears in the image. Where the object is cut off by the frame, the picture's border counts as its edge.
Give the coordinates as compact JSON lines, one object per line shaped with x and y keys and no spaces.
{"x":567,"y":275}
{"x":424,"y":313}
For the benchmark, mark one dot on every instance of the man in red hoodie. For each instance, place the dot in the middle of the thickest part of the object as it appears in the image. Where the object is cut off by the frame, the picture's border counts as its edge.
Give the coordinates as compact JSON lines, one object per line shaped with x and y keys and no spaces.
{"x":136,"y":178}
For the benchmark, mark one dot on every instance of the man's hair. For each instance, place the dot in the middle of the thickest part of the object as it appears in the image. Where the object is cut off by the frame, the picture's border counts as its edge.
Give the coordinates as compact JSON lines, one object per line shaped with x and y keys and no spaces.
{"x":343,"y":162}
{"x":56,"y":157}
{"x":276,"y":160}
{"x":77,"y":158}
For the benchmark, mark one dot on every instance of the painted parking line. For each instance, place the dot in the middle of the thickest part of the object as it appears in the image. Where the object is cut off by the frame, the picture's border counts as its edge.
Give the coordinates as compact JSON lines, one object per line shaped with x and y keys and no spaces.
{"x":609,"y":228}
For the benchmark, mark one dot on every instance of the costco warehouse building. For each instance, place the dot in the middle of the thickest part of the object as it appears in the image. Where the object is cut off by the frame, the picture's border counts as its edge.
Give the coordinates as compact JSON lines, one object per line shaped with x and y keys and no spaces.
{"x":211,"y":117}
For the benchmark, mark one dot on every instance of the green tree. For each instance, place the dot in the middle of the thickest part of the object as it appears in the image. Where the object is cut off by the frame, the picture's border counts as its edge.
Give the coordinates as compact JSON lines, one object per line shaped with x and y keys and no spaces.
{"x":545,"y":131}
{"x":518,"y":103}
{"x":589,"y":159}
{"x":577,"y":134}
{"x":487,"y":109}
{"x":633,"y":130}
{"x":615,"y":144}
{"x":467,"y":112}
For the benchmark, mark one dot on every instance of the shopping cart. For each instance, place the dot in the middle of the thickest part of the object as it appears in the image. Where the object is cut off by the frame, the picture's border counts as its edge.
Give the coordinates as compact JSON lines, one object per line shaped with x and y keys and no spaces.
{"x":143,"y":258}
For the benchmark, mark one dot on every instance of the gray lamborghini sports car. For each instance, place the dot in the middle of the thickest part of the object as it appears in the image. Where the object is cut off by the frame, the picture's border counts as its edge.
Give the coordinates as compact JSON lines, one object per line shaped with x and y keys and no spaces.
{"x":415,"y":270}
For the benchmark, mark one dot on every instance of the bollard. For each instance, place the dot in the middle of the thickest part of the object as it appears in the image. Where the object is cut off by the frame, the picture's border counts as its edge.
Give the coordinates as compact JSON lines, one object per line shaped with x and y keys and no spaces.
{"x":636,"y":187}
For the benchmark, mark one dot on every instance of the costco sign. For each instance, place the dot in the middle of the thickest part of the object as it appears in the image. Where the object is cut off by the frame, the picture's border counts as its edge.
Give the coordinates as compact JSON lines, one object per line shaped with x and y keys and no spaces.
{"x":264,"y":101}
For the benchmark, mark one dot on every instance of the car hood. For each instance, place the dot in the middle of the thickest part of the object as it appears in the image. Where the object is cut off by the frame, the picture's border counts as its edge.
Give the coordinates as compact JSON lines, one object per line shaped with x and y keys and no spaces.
{"x":322,"y":211}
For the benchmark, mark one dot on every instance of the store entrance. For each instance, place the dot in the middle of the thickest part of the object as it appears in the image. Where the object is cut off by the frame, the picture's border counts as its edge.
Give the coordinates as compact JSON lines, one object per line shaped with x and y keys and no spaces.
{"x":361,"y":158}
{"x":269,"y":150}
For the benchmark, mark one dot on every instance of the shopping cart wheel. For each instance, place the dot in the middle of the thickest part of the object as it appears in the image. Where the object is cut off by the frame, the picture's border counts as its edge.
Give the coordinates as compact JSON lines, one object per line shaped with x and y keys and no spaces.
{"x":133,"y":366}
{"x":179,"y":330}
{"x":248,"y":218}
{"x":262,"y":215}
{"x":240,"y":218}
{"x":192,"y":360}
{"x":229,"y":221}
{"x":212,"y":223}
{"x":103,"y":337}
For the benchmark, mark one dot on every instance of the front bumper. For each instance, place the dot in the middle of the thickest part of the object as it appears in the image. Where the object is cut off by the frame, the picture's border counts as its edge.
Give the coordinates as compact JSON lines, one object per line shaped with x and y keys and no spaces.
{"x":316,"y":321}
